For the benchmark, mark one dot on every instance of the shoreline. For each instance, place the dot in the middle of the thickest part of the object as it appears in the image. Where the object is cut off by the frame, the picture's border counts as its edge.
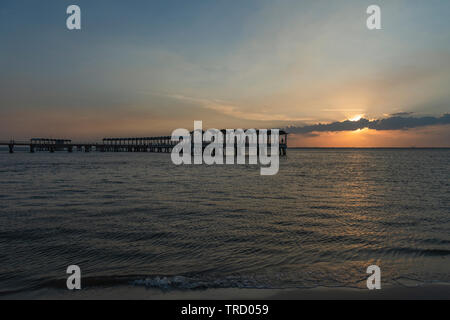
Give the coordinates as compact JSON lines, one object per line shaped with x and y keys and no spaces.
{"x":438,"y":291}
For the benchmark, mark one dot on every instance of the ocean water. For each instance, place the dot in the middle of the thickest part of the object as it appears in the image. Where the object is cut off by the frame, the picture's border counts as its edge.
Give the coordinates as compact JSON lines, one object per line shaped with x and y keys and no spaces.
{"x":137,"y":219}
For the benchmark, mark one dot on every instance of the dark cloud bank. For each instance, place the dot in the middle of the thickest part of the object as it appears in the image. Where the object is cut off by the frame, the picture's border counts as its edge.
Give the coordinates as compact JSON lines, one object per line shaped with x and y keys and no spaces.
{"x":394,"y":122}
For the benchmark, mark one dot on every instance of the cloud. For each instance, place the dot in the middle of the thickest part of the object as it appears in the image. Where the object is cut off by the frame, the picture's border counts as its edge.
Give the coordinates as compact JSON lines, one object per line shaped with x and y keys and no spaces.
{"x":401,"y":114}
{"x":231,"y":109}
{"x":395,"y":122}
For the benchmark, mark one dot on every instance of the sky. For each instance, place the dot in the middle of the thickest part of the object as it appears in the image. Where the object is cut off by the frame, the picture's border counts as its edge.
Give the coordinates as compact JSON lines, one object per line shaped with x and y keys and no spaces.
{"x":143,"y":68}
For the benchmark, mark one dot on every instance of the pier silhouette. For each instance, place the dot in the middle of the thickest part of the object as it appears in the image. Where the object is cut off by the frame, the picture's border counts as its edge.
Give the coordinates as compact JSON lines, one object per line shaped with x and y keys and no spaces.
{"x":160,"y":144}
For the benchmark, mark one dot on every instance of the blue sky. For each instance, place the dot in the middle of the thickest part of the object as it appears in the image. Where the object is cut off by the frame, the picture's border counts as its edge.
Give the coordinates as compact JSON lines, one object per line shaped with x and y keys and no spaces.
{"x":148,"y":67}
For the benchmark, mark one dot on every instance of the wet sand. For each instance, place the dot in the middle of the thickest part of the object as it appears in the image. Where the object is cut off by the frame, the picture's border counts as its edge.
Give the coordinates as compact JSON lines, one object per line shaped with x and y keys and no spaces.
{"x":423,"y":292}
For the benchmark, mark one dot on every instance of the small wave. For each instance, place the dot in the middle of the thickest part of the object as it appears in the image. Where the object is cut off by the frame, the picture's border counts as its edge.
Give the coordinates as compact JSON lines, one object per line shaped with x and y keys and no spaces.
{"x":185,"y":283}
{"x":419,"y":252}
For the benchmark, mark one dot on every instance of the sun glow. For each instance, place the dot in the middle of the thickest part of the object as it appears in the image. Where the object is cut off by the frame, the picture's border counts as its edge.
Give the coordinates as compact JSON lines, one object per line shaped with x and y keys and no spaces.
{"x":359,"y":130}
{"x":356,"y":118}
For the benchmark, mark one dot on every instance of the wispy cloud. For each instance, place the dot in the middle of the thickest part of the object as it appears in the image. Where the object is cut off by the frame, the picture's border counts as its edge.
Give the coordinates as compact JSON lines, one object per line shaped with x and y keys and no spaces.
{"x":233,"y":110}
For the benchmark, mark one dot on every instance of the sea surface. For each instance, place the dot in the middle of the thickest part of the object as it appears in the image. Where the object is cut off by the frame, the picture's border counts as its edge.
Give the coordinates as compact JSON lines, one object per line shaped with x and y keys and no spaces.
{"x":136,"y":219}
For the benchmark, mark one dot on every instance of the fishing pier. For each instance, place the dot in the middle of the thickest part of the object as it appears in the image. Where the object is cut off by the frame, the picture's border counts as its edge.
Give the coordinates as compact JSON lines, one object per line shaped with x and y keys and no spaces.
{"x":160,"y":144}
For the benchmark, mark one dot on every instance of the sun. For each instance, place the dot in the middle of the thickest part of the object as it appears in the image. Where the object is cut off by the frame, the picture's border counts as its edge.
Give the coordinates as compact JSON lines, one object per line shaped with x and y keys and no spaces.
{"x":356,"y":118}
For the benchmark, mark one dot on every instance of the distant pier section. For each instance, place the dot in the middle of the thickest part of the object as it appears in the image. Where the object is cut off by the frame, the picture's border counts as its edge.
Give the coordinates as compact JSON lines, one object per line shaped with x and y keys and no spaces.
{"x":161,"y":144}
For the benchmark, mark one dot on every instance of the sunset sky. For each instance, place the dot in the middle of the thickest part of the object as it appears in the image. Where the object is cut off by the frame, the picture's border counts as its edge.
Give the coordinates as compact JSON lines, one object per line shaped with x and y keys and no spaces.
{"x":142,"y":68}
